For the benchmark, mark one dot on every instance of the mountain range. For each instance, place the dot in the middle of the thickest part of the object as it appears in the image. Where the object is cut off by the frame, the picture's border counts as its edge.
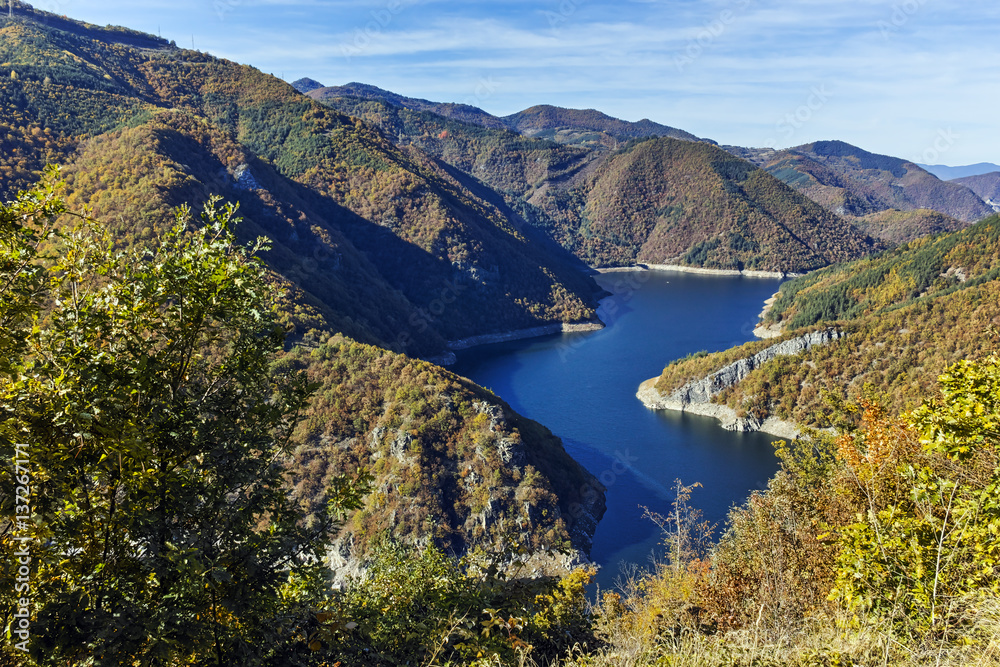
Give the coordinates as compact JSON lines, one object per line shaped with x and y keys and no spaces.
{"x":569,"y":126}
{"x":400,"y":227}
{"x":855,"y":184}
{"x":654,"y":199}
{"x":889,"y":198}
{"x":946,"y":173}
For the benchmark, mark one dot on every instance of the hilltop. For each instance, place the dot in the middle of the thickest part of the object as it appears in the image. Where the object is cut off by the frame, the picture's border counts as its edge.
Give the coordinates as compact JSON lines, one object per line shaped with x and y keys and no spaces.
{"x":587,"y":127}
{"x":854,"y":183}
{"x":385,"y":254}
{"x":463,"y":112}
{"x":687,"y":202}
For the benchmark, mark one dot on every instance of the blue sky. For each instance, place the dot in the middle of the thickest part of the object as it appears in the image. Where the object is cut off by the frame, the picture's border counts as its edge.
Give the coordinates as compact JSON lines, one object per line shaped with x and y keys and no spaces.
{"x":913,"y":78}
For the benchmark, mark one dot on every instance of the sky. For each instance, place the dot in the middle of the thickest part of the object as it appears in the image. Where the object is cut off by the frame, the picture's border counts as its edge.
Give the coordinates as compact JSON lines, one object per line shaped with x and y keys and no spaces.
{"x":917,"y":79}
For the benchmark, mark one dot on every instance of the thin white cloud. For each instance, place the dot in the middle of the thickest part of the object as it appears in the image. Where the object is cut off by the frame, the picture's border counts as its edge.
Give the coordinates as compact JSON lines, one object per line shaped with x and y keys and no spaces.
{"x":728,"y":69}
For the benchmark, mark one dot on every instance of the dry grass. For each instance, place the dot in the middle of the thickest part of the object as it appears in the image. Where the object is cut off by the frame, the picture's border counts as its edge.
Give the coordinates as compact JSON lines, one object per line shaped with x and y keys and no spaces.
{"x":836,"y":641}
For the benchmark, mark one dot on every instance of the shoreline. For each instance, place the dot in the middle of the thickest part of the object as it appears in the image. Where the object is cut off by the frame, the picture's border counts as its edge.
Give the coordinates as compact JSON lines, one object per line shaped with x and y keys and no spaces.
{"x":680,"y":268}
{"x":725,"y":415}
{"x":697,"y":395}
{"x":761,"y":331}
{"x":519,"y":334}
{"x":448,"y":358}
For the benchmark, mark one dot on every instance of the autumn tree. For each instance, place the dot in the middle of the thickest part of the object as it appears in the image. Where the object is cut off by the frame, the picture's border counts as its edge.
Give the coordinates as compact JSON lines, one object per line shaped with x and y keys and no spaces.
{"x":924,"y":558}
{"x":141,"y":382}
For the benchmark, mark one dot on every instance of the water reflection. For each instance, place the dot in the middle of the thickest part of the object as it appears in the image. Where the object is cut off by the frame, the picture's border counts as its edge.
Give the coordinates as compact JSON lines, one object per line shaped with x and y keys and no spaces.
{"x":582,"y":386}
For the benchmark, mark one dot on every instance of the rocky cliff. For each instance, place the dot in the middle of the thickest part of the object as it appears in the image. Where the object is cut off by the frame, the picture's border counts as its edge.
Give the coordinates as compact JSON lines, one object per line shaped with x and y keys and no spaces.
{"x":696,"y":396}
{"x":450,"y":463}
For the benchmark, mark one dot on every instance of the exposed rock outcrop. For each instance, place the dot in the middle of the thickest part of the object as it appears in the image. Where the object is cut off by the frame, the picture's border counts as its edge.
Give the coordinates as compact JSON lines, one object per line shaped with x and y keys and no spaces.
{"x":696,"y":396}
{"x":770,"y":330}
{"x":505,"y":479}
{"x":244,"y":179}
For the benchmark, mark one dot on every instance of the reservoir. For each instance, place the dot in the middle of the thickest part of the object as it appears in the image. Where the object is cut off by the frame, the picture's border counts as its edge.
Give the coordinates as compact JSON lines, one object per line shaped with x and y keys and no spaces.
{"x":582,"y":386}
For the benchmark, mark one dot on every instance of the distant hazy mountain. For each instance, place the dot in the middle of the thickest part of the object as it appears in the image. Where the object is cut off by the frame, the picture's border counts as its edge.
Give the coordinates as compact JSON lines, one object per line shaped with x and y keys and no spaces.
{"x":946,"y":173}
{"x":565,"y":126}
{"x":852,"y":182}
{"x":986,"y":186}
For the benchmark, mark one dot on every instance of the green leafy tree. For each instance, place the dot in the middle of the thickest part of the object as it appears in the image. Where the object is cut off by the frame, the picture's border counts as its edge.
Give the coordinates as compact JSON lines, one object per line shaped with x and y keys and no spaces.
{"x":157,"y":434}
{"x":418,"y":606}
{"x":923,"y":562}
{"x":24,"y":225}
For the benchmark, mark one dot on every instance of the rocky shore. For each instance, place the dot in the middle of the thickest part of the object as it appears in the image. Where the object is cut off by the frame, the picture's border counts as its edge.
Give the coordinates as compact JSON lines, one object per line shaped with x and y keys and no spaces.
{"x":680,"y":268}
{"x":696,"y":396}
{"x":448,"y":358}
{"x":727,"y":417}
{"x":771,"y":330}
{"x":518,"y":334}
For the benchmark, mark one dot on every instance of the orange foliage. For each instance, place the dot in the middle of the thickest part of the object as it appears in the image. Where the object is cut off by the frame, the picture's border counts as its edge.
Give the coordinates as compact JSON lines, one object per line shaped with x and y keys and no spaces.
{"x":874,"y":455}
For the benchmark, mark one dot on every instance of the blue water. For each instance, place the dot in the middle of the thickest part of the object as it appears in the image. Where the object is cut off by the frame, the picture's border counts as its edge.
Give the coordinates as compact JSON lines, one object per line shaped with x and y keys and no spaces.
{"x":582,"y":386}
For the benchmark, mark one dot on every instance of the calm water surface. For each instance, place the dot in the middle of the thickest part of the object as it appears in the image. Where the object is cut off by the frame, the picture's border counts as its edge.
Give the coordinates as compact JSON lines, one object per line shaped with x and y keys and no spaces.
{"x":582,"y":386}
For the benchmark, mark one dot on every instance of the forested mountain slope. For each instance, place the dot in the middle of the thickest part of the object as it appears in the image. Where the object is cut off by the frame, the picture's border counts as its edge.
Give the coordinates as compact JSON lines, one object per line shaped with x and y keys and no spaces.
{"x":659,"y":200}
{"x":185,"y":469}
{"x":341,"y":191}
{"x":907,"y":314}
{"x":382,"y":249}
{"x":895,"y":226}
{"x":853,"y":182}
{"x":451,"y":462}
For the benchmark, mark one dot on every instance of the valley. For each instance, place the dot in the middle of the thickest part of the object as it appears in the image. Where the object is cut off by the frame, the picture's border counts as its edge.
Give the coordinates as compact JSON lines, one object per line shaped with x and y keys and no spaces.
{"x":335,"y":375}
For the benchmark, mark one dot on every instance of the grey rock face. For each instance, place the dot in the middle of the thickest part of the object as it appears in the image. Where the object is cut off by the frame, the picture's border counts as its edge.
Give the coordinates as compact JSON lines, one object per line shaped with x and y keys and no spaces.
{"x":696,"y":396}
{"x":702,"y":391}
{"x":244,"y":178}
